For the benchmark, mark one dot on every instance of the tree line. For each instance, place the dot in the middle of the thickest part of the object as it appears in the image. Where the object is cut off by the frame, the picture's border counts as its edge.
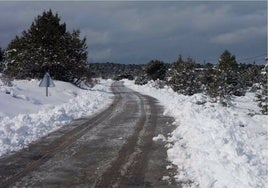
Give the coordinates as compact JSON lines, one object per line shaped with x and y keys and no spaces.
{"x":221,"y":81}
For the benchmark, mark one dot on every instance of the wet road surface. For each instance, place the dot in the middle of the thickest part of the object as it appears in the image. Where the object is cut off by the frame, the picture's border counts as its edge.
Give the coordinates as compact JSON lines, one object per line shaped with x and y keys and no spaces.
{"x":111,"y":149}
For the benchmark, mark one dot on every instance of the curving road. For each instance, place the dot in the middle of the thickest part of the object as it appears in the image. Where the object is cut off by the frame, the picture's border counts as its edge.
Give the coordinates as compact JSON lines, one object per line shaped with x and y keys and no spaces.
{"x":111,"y":149}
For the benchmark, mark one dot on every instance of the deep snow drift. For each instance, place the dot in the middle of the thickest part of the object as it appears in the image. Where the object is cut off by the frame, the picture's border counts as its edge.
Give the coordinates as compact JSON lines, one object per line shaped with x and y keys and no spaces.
{"x":26,"y":114}
{"x":214,"y":146}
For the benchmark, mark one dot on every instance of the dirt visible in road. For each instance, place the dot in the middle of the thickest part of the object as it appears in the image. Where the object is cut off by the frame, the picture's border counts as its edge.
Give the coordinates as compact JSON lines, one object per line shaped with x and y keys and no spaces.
{"x":111,"y":149}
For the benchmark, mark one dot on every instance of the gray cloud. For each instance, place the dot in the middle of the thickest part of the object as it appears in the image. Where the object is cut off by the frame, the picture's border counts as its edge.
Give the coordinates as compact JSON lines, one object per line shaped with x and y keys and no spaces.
{"x":241,"y":35}
{"x":135,"y":32}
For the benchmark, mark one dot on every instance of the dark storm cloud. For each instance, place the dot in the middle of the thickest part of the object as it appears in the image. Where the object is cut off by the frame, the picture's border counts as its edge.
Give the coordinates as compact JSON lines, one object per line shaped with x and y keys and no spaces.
{"x":135,"y":32}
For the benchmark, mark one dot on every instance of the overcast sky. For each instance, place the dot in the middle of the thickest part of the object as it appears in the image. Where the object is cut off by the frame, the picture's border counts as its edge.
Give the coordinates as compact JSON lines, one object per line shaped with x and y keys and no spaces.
{"x":136,"y":32}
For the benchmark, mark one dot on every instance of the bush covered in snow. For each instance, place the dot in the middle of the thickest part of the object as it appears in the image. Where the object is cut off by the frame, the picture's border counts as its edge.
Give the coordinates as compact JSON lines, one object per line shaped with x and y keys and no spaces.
{"x":155,"y":69}
{"x":183,"y":77}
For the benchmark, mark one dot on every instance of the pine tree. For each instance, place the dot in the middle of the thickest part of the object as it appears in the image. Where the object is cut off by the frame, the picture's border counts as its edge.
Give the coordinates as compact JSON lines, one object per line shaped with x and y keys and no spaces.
{"x":250,"y":74}
{"x":224,"y":79}
{"x":184,"y":78}
{"x":227,"y":61}
{"x":47,"y":46}
{"x":214,"y":81}
{"x":156,"y":69}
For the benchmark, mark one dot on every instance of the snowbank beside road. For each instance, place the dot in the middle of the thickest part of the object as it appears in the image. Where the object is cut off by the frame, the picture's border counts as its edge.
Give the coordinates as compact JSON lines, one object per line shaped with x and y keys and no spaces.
{"x":26,"y":114}
{"x":215,"y":146}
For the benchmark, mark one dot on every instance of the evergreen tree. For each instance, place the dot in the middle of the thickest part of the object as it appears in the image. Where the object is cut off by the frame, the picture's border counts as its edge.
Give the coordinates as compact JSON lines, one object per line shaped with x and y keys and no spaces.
{"x":47,"y":46}
{"x":156,"y":69}
{"x":184,"y":77}
{"x":224,"y":79}
{"x":250,"y":74}
{"x":214,"y":81}
{"x":227,"y":62}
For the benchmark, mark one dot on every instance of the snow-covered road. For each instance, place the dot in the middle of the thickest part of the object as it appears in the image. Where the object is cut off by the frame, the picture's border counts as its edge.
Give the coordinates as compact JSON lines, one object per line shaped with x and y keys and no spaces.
{"x":210,"y":146}
{"x":114,"y":148}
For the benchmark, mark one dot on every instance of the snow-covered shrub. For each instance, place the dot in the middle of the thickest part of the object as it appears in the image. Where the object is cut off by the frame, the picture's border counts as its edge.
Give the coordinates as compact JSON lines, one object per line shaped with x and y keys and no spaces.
{"x":141,"y":80}
{"x":184,"y":78}
{"x":6,"y":80}
{"x":156,"y":69}
{"x":223,"y":81}
{"x":158,"y":84}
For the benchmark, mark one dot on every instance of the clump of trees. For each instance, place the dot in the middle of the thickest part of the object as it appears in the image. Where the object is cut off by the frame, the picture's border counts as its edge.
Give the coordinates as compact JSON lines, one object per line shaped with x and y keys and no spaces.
{"x":48,"y":46}
{"x":221,"y":81}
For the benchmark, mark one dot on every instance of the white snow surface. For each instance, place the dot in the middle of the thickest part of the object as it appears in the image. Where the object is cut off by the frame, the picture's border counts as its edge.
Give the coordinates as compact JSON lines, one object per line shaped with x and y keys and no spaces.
{"x":212,"y":145}
{"x":26,"y":114}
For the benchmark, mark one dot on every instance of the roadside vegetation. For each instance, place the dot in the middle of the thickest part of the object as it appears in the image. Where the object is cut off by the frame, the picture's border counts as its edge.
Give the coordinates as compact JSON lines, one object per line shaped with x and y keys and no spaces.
{"x":221,"y":82}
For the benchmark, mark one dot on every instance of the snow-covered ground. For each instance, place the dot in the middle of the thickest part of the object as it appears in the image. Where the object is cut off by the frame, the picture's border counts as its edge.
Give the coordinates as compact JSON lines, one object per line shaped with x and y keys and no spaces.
{"x":214,"y":146}
{"x":26,"y":114}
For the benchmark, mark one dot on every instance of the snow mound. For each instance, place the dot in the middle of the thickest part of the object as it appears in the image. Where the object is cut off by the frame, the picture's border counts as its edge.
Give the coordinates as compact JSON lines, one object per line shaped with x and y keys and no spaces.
{"x":214,"y":146}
